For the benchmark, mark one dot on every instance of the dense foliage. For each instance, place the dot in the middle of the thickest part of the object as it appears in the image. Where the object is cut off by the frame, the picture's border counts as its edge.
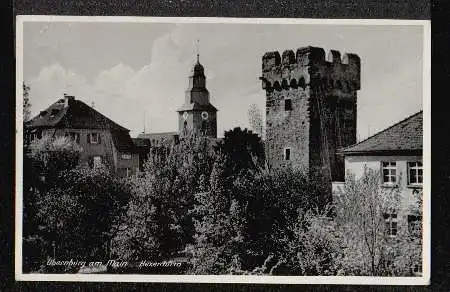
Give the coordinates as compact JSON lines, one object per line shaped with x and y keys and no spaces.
{"x":26,"y":102}
{"x":215,"y":206}
{"x":71,"y":212}
{"x":241,"y":222}
{"x":243,"y":150}
{"x":158,"y":222}
{"x":361,"y":214}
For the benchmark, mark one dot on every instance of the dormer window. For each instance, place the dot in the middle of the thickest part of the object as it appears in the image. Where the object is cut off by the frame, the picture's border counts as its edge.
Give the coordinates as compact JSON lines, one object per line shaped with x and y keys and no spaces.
{"x":54,"y":112}
{"x":94,"y":138}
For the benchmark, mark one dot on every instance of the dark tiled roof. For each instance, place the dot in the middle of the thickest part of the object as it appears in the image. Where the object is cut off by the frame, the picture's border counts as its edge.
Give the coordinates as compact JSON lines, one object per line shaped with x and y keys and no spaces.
{"x":196,"y":106}
{"x":76,"y":115}
{"x":162,"y":135}
{"x":141,"y":142}
{"x":122,"y":141}
{"x":404,"y":136}
{"x":160,"y":139}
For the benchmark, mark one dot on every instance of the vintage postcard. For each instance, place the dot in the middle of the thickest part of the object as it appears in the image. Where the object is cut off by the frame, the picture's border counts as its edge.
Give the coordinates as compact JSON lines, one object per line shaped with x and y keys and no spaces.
{"x":220,"y":150}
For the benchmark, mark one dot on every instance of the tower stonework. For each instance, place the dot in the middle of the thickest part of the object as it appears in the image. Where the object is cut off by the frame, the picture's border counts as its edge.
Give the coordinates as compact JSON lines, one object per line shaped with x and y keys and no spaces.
{"x":197,"y":115}
{"x":310,"y":109}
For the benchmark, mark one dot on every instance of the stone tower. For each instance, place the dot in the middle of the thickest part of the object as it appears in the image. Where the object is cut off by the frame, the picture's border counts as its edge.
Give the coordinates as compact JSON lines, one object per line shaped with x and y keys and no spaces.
{"x":197,"y":115}
{"x":310,"y":109}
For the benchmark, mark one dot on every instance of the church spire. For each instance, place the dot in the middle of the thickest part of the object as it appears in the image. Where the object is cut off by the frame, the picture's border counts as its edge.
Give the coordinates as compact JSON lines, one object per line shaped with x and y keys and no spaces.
{"x":197,"y":114}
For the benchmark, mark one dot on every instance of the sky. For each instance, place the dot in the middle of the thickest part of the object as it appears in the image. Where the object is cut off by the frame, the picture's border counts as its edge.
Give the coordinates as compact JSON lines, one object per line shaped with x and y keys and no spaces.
{"x":131,"y":70}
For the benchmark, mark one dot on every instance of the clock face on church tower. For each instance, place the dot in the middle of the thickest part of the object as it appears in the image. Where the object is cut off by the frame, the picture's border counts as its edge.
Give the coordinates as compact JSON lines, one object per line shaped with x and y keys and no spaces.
{"x":204,"y":115}
{"x":185,"y":116}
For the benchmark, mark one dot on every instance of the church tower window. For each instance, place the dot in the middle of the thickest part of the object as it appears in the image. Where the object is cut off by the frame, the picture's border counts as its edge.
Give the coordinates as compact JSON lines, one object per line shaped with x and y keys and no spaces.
{"x":204,"y":128}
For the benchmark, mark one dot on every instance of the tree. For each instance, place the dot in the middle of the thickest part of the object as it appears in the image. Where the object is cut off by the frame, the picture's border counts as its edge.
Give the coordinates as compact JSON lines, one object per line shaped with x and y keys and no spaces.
{"x":158,"y":224}
{"x":43,"y":163}
{"x":311,"y":245}
{"x":363,"y":213}
{"x":217,"y":224}
{"x":406,"y":252}
{"x":255,"y":119}
{"x":70,"y":212}
{"x":81,"y":214}
{"x":242,"y":221}
{"x":243,"y":149}
{"x":26,"y":102}
{"x":52,"y":155}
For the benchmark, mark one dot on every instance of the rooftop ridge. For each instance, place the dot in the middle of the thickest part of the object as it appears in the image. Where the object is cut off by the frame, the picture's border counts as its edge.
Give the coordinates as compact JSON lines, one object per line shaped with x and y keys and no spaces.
{"x":66,"y":112}
{"x":381,"y":131}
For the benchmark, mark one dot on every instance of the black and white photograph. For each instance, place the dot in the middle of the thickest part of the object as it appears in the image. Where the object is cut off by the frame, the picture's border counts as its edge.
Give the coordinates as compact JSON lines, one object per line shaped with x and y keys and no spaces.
{"x":223,"y":150}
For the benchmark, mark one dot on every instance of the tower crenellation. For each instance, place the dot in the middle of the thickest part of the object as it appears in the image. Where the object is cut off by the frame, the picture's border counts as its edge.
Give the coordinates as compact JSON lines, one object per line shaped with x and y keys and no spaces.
{"x":311,"y":64}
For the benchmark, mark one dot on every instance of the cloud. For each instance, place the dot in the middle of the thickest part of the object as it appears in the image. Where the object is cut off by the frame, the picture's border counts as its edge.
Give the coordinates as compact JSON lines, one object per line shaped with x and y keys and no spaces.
{"x":123,"y":94}
{"x":51,"y":83}
{"x":231,"y":55}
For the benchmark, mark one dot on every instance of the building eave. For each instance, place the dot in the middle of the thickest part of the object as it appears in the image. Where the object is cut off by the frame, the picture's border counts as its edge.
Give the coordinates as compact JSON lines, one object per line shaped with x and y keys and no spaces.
{"x":389,"y":152}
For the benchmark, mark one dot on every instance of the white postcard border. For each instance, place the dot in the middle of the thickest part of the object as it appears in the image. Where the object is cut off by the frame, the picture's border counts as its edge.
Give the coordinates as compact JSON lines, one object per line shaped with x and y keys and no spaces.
{"x":347,"y":280}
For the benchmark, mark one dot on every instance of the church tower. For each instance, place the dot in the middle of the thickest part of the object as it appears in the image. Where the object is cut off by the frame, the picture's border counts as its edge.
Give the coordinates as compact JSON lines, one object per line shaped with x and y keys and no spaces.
{"x":310,"y":109}
{"x":197,"y":115}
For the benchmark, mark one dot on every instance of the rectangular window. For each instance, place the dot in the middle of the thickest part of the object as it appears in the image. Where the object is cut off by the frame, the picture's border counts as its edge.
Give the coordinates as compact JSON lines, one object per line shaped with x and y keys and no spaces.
{"x":391,"y":224}
{"x":97,"y":161}
{"x":415,"y":173}
{"x":287,"y":154}
{"x":417,"y":269}
{"x":287,"y":105}
{"x":414,"y":224}
{"x":94,"y":138}
{"x":126,"y":156}
{"x":389,"y":172}
{"x":124,"y":172}
{"x":36,"y":135}
{"x":74,"y":136}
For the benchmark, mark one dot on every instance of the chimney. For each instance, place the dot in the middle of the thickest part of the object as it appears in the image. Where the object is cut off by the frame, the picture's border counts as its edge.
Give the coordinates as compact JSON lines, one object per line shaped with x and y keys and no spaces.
{"x":68,"y":99}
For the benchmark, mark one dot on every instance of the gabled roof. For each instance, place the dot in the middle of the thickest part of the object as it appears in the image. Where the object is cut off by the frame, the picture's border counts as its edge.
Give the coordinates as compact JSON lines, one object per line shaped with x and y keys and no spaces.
{"x":404,"y":136}
{"x":69,"y":112}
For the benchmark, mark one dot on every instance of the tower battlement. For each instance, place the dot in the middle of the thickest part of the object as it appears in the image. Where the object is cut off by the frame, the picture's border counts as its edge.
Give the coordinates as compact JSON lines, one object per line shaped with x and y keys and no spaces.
{"x":310,"y":65}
